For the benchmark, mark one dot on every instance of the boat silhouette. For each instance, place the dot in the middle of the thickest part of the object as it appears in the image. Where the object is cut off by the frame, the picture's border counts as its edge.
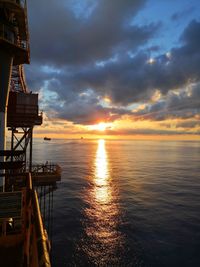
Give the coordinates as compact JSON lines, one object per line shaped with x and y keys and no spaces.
{"x":47,"y":138}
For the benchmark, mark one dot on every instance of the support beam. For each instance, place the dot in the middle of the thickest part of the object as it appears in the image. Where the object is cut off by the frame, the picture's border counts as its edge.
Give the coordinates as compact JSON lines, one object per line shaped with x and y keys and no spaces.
{"x":5,"y":74}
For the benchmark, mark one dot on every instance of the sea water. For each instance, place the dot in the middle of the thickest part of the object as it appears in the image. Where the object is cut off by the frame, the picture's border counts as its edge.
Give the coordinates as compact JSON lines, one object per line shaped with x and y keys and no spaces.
{"x":125,"y":203}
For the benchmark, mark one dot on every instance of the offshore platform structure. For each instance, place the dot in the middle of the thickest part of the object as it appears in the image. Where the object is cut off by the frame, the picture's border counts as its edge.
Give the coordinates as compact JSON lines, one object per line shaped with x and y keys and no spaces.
{"x":22,"y":225}
{"x":14,"y":51}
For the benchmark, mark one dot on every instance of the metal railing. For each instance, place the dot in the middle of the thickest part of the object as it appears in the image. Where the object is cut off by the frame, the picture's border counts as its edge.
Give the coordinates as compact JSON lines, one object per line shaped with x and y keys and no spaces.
{"x":9,"y":34}
{"x":49,"y":168}
{"x":42,"y":238}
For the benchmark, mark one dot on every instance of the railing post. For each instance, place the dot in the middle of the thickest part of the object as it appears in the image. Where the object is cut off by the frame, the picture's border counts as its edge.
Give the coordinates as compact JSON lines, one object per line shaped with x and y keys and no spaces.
{"x":31,"y":148}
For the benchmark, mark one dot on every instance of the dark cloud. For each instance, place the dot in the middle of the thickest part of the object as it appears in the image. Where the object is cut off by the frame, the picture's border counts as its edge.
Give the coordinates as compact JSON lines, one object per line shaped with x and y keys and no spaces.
{"x":182,"y":14}
{"x":182,"y":104}
{"x":58,"y":37}
{"x":188,"y":124}
{"x":134,"y":80}
{"x":85,"y":109}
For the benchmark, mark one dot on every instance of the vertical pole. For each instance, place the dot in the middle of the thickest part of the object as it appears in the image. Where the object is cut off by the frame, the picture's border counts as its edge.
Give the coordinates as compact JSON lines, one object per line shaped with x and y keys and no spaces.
{"x":2,"y":146}
{"x":26,"y":143}
{"x":2,"y":130}
{"x":5,"y":75}
{"x":31,"y":149}
{"x":12,"y":150}
{"x":40,"y":196}
{"x":12,"y":143}
{"x":44,"y":211}
{"x":49,"y":209}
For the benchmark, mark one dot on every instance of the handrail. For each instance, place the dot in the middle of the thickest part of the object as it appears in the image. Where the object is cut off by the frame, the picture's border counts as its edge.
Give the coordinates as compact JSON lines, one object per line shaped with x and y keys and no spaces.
{"x":46,"y":168}
{"x":43,"y":253}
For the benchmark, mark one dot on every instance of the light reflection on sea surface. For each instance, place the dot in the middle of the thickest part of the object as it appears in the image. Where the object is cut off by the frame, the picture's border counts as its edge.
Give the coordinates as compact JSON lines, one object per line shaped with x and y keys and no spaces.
{"x":125,"y":203}
{"x":102,"y":188}
{"x":102,"y":213}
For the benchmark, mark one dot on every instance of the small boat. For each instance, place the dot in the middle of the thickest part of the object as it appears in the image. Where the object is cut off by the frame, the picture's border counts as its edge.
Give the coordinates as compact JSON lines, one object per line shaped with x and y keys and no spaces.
{"x":47,"y":138}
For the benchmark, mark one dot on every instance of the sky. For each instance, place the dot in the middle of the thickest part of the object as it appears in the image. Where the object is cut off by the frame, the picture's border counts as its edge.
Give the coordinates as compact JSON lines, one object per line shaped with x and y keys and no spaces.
{"x":116,"y":68}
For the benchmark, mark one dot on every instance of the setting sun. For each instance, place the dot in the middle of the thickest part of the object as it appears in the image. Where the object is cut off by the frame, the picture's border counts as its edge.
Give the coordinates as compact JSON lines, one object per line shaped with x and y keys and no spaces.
{"x":101,"y":126}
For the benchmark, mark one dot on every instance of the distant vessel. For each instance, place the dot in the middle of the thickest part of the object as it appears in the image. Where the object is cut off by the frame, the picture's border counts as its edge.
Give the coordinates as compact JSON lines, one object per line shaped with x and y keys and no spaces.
{"x":47,"y":138}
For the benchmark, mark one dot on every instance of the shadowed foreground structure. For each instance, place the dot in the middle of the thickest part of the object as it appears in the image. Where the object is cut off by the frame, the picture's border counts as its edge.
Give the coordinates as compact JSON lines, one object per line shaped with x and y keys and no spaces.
{"x":23,"y":238}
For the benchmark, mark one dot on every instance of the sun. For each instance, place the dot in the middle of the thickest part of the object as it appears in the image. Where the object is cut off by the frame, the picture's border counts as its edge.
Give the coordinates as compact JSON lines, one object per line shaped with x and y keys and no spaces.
{"x":101,"y":126}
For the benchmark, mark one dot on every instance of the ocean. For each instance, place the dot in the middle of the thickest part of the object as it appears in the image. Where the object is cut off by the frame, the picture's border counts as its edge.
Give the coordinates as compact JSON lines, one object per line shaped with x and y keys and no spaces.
{"x":125,"y":203}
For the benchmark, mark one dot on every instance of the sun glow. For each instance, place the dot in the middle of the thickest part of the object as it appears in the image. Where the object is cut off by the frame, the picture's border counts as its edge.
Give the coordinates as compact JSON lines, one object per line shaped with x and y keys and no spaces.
{"x":107,"y":99}
{"x":102,"y":126}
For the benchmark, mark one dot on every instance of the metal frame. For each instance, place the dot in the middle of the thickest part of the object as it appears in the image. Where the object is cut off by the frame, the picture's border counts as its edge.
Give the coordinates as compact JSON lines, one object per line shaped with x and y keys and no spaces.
{"x":23,"y":140}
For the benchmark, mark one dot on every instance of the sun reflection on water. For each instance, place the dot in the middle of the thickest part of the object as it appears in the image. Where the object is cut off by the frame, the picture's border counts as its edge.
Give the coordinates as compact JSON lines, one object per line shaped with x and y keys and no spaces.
{"x":102,"y":214}
{"x":101,"y":163}
{"x":102,"y":190}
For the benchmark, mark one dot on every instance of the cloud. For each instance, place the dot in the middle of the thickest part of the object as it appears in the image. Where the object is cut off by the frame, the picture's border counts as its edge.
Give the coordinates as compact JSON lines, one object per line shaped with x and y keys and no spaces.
{"x":182,"y":14}
{"x":66,"y":46}
{"x":58,"y":37}
{"x":182,"y":104}
{"x":188,"y":124}
{"x":132,"y":79}
{"x":85,"y":109}
{"x":148,"y":131}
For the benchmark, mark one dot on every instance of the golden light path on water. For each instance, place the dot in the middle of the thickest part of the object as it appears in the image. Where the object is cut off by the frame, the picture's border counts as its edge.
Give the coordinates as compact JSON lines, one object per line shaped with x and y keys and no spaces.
{"x":105,"y":240}
{"x":102,"y":190}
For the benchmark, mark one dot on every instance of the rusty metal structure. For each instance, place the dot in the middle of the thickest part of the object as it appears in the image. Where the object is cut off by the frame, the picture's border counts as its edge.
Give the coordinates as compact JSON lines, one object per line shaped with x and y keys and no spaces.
{"x":22,"y":224}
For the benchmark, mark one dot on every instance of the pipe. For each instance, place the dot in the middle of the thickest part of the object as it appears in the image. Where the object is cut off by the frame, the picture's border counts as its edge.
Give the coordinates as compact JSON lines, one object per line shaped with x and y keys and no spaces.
{"x":5,"y":75}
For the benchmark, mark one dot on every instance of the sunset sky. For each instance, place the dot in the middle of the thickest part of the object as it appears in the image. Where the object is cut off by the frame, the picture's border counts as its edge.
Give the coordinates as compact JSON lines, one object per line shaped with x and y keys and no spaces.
{"x":117,"y":68}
